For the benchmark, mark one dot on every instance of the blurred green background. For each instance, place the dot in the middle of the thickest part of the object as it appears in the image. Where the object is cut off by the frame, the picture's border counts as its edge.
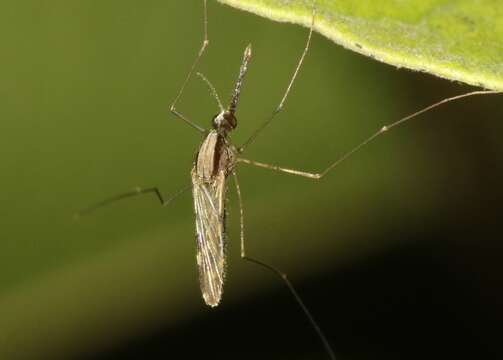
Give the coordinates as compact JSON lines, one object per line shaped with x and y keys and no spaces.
{"x":85,"y":89}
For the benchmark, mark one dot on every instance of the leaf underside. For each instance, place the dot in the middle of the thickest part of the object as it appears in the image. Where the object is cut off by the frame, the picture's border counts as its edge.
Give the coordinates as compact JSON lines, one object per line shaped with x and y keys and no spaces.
{"x":459,"y":40}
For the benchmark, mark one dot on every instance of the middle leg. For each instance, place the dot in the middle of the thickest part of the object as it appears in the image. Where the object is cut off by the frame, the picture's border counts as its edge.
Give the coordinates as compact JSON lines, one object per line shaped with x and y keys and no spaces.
{"x":280,"y":274}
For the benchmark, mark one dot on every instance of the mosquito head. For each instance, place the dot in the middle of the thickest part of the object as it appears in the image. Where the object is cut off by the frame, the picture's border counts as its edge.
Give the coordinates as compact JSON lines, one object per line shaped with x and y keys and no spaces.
{"x":224,"y":121}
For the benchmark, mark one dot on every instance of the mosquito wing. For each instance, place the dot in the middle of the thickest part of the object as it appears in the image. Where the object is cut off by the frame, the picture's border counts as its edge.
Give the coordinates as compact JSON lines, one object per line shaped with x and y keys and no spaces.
{"x":209,"y":201}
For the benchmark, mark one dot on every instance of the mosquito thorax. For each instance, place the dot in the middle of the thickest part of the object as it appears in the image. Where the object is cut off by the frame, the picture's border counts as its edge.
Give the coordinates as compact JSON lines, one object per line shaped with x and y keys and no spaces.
{"x":225,"y":121}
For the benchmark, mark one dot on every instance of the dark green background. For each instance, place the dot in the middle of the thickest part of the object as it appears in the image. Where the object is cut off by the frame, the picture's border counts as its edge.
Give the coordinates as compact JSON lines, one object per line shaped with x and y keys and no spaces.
{"x":85,"y":89}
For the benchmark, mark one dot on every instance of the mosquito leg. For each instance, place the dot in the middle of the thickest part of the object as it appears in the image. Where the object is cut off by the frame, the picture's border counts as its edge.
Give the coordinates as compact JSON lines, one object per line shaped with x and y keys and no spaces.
{"x":381,"y":131}
{"x":252,"y":138}
{"x":135,"y":192}
{"x":280,"y":274}
{"x":280,"y":169}
{"x":187,"y":78}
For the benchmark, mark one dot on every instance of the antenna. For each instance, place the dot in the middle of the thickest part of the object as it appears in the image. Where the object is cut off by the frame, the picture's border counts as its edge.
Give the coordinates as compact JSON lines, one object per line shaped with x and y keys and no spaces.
{"x":242,"y":72}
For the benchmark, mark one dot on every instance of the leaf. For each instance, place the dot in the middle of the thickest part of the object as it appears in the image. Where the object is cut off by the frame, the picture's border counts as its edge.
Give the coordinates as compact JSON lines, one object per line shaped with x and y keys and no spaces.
{"x":457,"y":40}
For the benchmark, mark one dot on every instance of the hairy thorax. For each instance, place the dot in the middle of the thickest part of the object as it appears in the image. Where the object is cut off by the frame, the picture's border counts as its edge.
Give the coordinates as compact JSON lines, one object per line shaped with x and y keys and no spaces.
{"x":215,"y":155}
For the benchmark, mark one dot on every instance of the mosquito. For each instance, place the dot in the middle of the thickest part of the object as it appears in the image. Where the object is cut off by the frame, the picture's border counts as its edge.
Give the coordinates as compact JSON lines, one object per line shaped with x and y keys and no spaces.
{"x":216,"y":161}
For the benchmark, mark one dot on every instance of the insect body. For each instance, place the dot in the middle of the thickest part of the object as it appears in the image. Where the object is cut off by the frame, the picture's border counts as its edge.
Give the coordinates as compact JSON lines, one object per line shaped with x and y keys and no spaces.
{"x":214,"y":162}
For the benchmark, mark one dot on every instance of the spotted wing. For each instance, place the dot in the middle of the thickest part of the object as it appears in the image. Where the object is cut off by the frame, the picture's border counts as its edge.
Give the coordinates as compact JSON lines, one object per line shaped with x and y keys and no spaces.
{"x":209,"y":201}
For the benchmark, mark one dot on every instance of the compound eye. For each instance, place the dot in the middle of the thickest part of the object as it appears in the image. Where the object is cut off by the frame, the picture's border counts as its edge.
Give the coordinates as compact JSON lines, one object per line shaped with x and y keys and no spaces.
{"x":231,"y":120}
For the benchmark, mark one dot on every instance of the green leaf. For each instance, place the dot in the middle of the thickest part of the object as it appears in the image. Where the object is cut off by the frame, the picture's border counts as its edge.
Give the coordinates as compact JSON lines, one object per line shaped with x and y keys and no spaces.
{"x":458,"y":40}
